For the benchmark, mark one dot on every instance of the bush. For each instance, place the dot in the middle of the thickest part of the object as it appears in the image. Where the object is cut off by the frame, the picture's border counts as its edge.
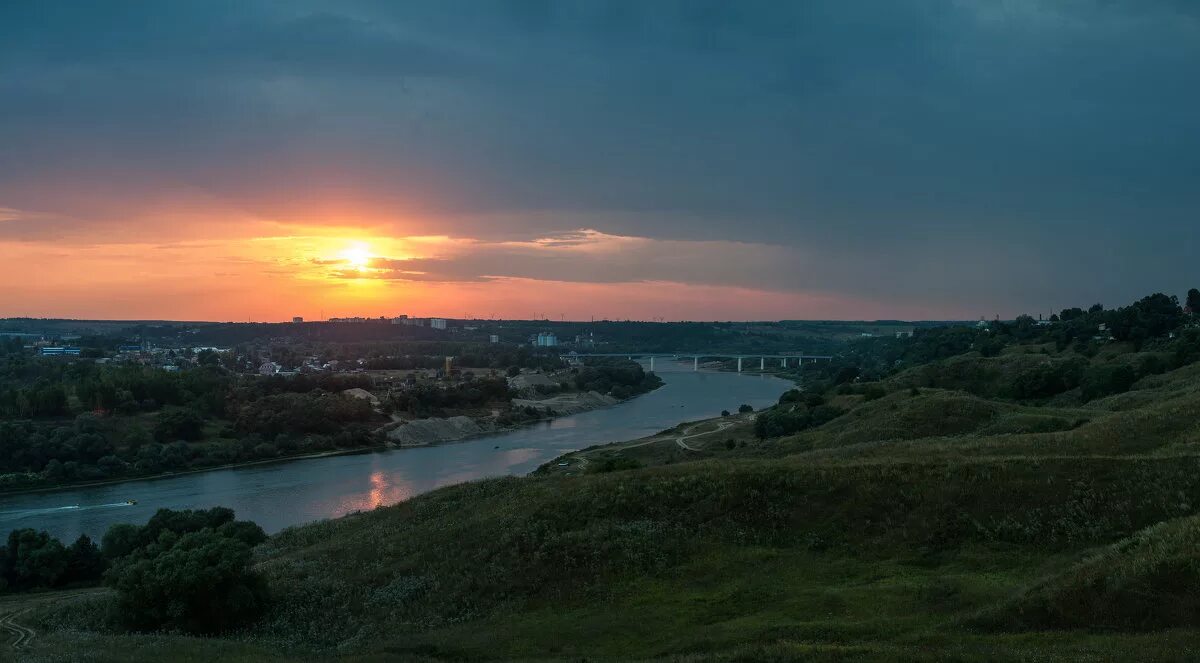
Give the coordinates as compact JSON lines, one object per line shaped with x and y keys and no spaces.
{"x":179,"y":424}
{"x":873,"y":392}
{"x":33,"y":559}
{"x":1047,"y":379}
{"x":776,"y":423}
{"x":1100,"y":381}
{"x":615,"y":464}
{"x":201,"y":582}
{"x":825,"y":413}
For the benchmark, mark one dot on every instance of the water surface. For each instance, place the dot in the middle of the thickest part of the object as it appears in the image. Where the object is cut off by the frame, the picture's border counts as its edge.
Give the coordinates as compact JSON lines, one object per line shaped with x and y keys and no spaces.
{"x":279,"y":495}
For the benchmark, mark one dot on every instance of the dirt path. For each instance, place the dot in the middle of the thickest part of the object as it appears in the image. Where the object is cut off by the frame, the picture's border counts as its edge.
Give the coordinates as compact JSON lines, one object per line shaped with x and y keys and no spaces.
{"x":721,"y":425}
{"x":581,"y":457}
{"x":20,"y":635}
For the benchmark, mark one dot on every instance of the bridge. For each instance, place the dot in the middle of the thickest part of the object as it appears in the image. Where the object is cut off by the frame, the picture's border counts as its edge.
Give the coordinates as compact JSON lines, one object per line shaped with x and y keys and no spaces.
{"x":696,"y":356}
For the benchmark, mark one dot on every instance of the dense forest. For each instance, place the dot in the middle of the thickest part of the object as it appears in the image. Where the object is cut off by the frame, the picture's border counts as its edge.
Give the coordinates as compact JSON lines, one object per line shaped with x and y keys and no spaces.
{"x":64,"y":421}
{"x":81,"y":421}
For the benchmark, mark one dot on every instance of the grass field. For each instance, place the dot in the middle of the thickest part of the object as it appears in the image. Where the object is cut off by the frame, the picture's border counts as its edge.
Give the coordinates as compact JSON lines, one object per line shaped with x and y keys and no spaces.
{"x":925,"y":523}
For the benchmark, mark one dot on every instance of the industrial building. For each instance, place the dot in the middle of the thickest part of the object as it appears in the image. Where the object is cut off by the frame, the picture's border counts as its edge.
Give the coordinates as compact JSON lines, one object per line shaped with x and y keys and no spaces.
{"x":59,"y":351}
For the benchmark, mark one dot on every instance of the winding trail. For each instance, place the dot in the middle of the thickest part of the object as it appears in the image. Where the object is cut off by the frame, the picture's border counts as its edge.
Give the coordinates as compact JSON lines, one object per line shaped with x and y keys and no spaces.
{"x":721,"y":425}
{"x":21,"y":635}
{"x":581,"y":457}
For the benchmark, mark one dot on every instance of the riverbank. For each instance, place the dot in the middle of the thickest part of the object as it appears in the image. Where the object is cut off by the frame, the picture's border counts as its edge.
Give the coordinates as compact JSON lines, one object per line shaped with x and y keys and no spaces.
{"x":435,"y":433}
{"x":689,"y":440}
{"x":424,"y":432}
{"x":290,"y":491}
{"x":197,"y":470}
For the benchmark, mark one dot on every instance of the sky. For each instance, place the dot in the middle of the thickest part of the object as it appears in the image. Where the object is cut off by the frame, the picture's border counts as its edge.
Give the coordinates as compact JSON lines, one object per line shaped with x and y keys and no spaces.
{"x":675,"y":159}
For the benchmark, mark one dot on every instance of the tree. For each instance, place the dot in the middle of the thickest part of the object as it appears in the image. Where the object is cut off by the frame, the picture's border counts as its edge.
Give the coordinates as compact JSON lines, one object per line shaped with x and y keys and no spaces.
{"x":183,"y":522}
{"x":1146,"y":318}
{"x":207,"y":357}
{"x":200,"y":582}
{"x":84,"y":561}
{"x":1024,"y":324}
{"x":33,"y":559}
{"x":744,"y":408}
{"x":1193,"y":301}
{"x":246,"y":531}
{"x":1069,"y":314}
{"x":179,"y":424}
{"x":120,"y":540}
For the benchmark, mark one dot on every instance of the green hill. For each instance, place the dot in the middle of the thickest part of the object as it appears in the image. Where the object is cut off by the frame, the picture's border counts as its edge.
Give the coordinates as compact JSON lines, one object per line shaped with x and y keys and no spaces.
{"x":1036,"y":504}
{"x":1145,"y":582}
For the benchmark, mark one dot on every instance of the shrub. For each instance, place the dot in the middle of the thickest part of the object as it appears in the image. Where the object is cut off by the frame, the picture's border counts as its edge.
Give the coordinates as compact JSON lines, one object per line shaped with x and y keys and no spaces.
{"x":1047,"y":379}
{"x":200,"y":582}
{"x":32,"y":559}
{"x":179,"y":424}
{"x":873,"y":392}
{"x":615,"y":464}
{"x":1100,"y":381}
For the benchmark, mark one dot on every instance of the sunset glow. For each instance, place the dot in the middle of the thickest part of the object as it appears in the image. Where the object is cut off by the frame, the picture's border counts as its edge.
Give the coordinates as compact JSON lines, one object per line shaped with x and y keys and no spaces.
{"x":357,"y":257}
{"x":407,"y":163}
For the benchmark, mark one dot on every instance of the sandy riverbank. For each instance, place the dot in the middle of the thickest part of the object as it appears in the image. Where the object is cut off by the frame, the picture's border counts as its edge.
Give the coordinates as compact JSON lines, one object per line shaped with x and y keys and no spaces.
{"x":424,"y":432}
{"x":418,"y":433}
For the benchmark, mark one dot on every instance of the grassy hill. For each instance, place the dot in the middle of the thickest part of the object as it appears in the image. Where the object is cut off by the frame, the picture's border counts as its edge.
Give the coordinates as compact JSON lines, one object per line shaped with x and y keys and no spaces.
{"x":939,"y":517}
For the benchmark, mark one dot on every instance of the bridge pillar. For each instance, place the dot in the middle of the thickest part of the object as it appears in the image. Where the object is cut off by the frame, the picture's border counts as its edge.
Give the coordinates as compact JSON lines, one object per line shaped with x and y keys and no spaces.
{"x":651,"y":363}
{"x":783,"y":363}
{"x":762,"y":363}
{"x":695,"y":363}
{"x":739,"y":364}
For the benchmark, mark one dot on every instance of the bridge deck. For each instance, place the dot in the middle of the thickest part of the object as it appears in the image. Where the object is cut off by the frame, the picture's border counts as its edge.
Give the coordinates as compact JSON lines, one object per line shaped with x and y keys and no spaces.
{"x":691,"y":355}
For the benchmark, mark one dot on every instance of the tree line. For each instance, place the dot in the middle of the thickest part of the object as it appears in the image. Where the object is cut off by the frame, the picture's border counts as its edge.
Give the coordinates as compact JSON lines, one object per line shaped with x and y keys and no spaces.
{"x":187,"y":571}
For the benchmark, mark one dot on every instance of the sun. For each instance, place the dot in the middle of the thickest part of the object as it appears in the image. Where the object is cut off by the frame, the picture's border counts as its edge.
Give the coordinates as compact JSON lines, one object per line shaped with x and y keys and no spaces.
{"x":358,"y":257}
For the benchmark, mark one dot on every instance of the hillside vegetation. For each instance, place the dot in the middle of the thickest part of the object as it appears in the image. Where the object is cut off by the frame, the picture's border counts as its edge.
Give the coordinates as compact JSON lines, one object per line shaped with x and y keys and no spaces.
{"x":1024,"y":498}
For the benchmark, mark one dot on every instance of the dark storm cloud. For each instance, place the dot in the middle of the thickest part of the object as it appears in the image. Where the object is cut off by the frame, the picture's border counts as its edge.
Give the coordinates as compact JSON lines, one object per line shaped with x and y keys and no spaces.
{"x":999,"y":156}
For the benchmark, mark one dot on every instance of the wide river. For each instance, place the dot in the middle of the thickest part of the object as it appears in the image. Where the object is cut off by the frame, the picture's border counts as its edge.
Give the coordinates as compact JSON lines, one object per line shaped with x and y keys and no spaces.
{"x":278,"y":495}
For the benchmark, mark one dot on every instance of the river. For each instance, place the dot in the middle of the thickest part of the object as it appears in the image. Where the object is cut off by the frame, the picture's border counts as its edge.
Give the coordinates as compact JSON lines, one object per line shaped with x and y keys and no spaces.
{"x":278,"y":495}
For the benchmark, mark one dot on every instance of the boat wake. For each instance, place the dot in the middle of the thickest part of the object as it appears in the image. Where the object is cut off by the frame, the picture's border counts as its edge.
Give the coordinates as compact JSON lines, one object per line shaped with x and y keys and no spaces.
{"x":24,"y":513}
